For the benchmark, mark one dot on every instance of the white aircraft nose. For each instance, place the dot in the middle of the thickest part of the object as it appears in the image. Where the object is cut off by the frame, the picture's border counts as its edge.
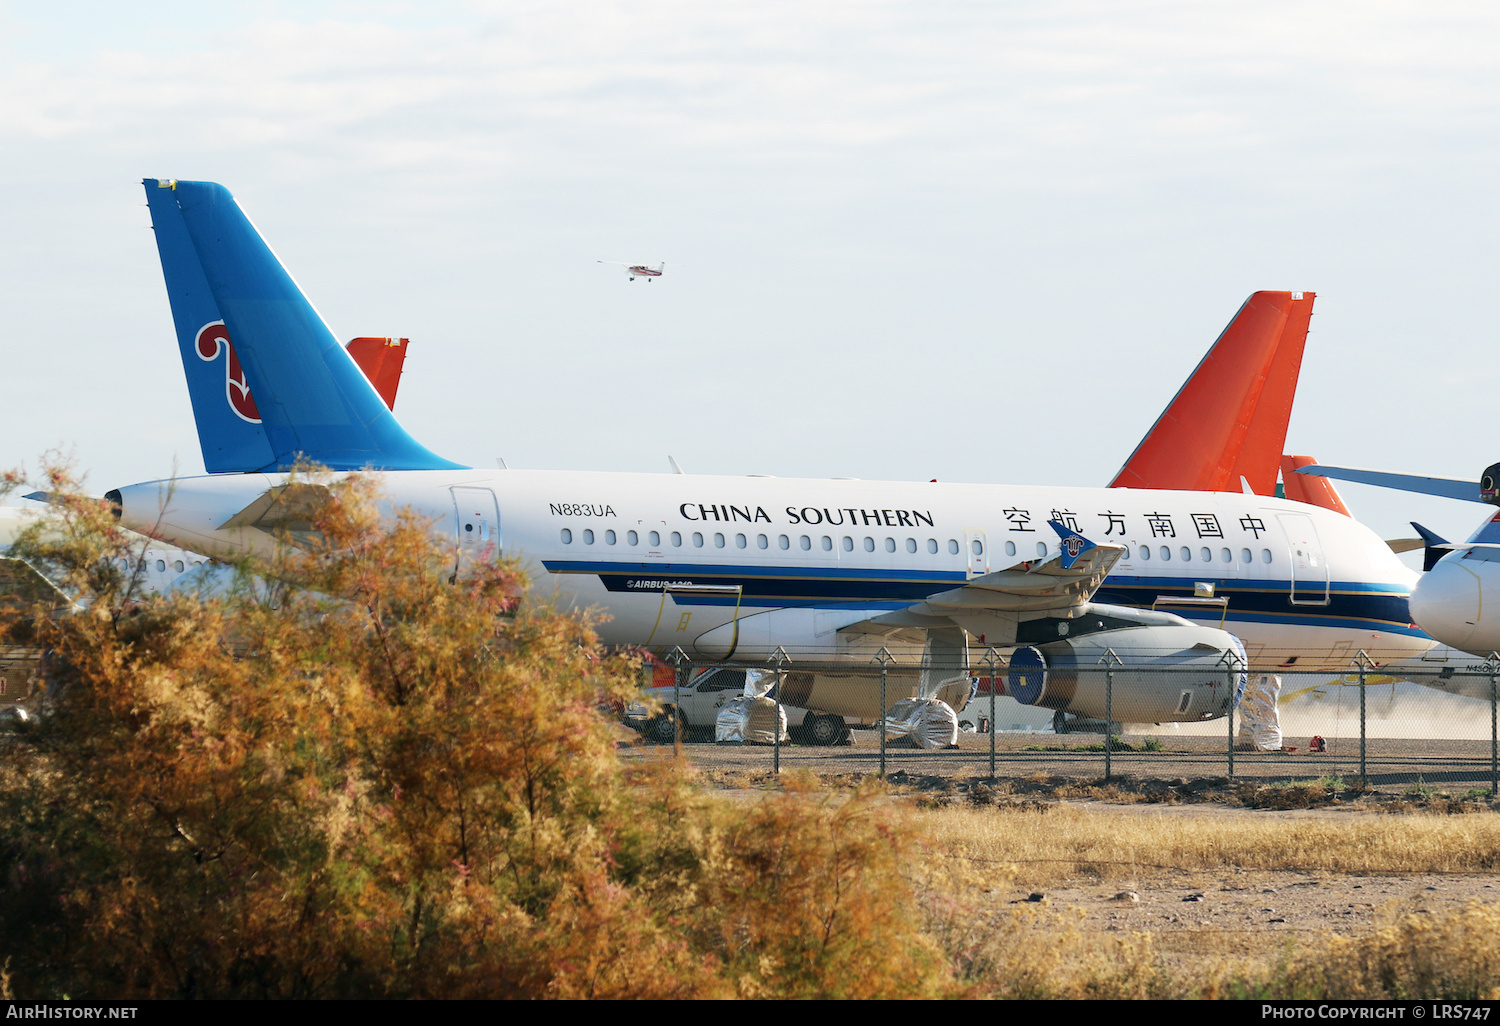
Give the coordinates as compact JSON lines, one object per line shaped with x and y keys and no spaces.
{"x":1448,"y":603}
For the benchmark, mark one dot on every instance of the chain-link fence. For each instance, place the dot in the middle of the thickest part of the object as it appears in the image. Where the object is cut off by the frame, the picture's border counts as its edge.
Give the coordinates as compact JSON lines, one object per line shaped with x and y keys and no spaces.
{"x":1429,"y":730}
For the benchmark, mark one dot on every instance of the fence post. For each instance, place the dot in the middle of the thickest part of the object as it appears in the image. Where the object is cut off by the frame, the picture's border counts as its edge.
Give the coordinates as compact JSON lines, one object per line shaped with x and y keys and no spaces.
{"x":1492,"y":664}
{"x":778,"y":659}
{"x":1231,"y":669}
{"x":680,"y":662}
{"x":1110,"y":661}
{"x":992,"y":660}
{"x":884,"y":658}
{"x":1365,"y":664}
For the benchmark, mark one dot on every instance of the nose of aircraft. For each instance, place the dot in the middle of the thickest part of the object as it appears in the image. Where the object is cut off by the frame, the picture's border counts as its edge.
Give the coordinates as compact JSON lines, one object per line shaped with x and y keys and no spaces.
{"x":1448,"y":603}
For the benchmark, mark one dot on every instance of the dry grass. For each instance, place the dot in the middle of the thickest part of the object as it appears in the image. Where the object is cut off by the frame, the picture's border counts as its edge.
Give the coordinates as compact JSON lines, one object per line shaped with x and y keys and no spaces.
{"x":979,"y":859}
{"x":1061,"y":842}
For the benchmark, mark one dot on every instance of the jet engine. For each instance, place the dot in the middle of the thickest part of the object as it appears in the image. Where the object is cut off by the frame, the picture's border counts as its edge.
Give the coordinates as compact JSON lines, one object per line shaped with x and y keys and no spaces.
{"x":1158,"y":674}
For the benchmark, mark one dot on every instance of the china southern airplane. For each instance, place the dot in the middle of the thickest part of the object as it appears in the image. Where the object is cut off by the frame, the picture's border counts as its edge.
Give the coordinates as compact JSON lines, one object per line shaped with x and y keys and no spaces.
{"x":830,"y":571}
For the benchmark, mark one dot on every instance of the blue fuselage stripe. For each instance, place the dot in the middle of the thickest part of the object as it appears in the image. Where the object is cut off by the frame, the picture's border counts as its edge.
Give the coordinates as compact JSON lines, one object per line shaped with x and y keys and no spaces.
{"x":1350,"y":604}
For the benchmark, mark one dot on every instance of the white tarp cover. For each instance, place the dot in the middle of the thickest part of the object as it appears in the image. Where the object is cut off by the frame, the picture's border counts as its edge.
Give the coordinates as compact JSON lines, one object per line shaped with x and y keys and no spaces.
{"x":927,"y":722}
{"x":749,"y":720}
{"x":1260,"y":717}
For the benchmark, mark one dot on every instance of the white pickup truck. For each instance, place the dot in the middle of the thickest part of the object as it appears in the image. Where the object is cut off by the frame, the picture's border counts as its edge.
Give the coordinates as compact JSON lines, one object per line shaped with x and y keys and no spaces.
{"x":705,"y":693}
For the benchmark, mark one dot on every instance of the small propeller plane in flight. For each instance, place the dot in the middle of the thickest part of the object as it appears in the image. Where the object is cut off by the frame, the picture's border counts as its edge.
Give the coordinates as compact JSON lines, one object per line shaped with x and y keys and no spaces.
{"x":639,"y":270}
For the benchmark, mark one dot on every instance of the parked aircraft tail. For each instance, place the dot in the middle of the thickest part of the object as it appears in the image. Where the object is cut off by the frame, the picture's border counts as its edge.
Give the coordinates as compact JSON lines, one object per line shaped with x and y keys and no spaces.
{"x":285,"y":389}
{"x":1226,"y":426}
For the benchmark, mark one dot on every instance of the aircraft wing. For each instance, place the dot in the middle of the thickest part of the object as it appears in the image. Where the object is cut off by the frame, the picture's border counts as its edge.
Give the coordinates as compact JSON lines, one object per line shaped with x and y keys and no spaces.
{"x":1061,"y":583}
{"x":1447,"y":487}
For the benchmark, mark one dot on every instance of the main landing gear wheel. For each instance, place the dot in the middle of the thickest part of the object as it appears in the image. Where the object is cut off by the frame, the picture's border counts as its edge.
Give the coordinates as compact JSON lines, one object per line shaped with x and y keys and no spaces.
{"x":1060,"y":722}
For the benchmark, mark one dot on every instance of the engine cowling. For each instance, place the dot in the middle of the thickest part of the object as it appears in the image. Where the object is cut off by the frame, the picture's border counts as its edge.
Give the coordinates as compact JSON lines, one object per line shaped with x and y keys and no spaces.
{"x":1160,"y":674}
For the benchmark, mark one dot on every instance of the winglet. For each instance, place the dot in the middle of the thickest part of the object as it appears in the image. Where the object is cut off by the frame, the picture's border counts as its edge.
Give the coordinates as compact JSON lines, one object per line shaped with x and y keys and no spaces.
{"x":1229,"y":419}
{"x":1071,"y":546}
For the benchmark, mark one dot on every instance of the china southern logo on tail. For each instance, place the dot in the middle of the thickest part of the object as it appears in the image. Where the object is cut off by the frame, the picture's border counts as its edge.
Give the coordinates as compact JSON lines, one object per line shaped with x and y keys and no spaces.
{"x":213,"y":339}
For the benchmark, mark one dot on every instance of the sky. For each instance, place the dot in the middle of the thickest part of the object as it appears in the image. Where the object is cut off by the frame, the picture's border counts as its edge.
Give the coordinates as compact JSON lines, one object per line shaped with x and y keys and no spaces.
{"x":973,"y":241}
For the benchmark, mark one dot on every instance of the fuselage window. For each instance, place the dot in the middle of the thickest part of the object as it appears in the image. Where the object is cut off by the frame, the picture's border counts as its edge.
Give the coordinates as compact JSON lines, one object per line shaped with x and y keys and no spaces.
{"x":609,"y":537}
{"x":632,"y":538}
{"x":1265,"y":555}
{"x":932,"y":546}
{"x":1145,"y":552}
{"x":952,"y":546}
{"x":827,"y":544}
{"x":783,"y":541}
{"x":698,"y":539}
{"x":761,"y":541}
{"x":1245,"y":556}
{"x":1186,"y":554}
{"x":869,"y":544}
{"x":805,"y":542}
{"x":588,"y":536}
{"x":718,"y":541}
{"x":1226,"y":555}
{"x":161,"y":566}
{"x":739,"y":541}
{"x":1207,"y":555}
{"x":677,"y":538}
{"x":848,"y":544}
{"x":978,"y":547}
{"x":911,"y":545}
{"x":567,"y":536}
{"x":1165,"y":553}
{"x":178,"y":566}
{"x":655,"y":539}
{"x":1010,"y":548}
{"x":890,"y":545}
{"x":1041,"y":548}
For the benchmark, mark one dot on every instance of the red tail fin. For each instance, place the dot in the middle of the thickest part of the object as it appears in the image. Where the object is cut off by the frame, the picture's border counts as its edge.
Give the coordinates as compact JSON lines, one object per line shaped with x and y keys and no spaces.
{"x":1317,"y":491}
{"x":1229,"y":419}
{"x":381,"y":359}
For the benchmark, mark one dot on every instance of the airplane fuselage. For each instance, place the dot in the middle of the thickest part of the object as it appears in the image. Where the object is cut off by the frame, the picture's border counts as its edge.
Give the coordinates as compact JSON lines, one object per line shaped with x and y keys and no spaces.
{"x":734,"y":567}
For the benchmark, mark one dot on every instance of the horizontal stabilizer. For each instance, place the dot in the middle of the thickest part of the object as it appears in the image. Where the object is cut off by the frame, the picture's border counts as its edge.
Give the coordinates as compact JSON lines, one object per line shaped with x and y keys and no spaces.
{"x":1434,"y":547}
{"x":288,"y":507}
{"x":1447,"y":487}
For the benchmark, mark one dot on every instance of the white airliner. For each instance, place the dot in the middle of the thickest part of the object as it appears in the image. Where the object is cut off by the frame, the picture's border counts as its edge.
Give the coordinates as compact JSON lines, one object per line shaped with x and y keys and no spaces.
{"x":830,"y":571}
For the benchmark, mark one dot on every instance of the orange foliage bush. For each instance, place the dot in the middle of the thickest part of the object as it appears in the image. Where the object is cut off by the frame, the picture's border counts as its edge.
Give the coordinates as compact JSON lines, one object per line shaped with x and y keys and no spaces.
{"x":357,"y":773}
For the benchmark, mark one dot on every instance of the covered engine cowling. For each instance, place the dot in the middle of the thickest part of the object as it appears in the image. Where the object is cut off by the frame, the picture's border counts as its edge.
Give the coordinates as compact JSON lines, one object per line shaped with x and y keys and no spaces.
{"x":1161,"y":674}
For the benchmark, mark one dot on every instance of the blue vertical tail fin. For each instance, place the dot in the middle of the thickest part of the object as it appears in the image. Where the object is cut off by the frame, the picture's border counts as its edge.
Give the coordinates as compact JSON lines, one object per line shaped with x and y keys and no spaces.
{"x":229,"y":425}
{"x":310,"y":399}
